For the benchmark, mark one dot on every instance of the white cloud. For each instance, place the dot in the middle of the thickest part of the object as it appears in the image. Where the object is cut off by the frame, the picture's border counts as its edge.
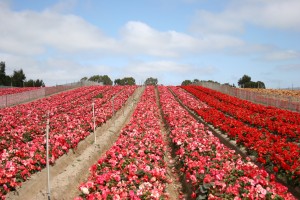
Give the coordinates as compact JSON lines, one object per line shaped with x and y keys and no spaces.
{"x":276,"y":14}
{"x":253,"y":49}
{"x":282,"y":55}
{"x":52,"y":70}
{"x":63,"y":6}
{"x":164,"y":66}
{"x":138,"y":37}
{"x":145,"y":69}
{"x":31,"y":33}
{"x":34,"y":33}
{"x":215,"y":42}
{"x":206,"y":22}
{"x":61,"y":70}
{"x":167,"y":71}
{"x":273,"y":14}
{"x":205,"y":71}
{"x":45,"y":45}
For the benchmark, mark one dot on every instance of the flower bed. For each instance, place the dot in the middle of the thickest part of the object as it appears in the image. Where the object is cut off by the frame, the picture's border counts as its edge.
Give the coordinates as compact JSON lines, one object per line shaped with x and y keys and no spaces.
{"x":188,"y":99}
{"x":7,"y":91}
{"x":277,"y":154}
{"x":211,"y":169}
{"x":22,"y":129}
{"x":134,"y":167}
{"x":279,"y":122}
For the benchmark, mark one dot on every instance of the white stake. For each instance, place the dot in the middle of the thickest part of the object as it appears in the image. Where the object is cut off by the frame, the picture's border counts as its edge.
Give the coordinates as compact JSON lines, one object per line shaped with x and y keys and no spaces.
{"x":113,"y":105}
{"x":93,"y":105}
{"x":47,"y":157}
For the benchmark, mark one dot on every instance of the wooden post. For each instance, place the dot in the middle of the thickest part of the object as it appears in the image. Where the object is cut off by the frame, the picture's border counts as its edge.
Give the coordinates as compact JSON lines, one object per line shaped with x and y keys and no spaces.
{"x":47,"y":158}
{"x":94,"y":123}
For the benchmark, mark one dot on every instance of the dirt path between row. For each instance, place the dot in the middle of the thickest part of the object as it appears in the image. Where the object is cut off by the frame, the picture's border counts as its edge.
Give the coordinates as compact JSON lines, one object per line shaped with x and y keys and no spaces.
{"x":73,"y":168}
{"x":174,"y":188}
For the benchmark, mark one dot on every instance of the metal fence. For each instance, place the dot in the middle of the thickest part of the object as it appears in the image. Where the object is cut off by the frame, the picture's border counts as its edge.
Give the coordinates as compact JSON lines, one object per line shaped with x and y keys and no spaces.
{"x":288,"y":103}
{"x":13,"y":99}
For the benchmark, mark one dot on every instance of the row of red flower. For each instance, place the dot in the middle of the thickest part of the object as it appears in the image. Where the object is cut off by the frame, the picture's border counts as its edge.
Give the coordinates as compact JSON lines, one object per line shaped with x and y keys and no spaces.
{"x":7,"y":91}
{"x":285,"y":115}
{"x":22,"y":129}
{"x":213,"y":171}
{"x":134,"y":167}
{"x":281,"y":122}
{"x":271,"y":150}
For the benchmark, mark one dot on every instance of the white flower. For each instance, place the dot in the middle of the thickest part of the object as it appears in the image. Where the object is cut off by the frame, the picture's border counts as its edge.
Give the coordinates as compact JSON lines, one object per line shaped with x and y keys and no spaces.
{"x":85,"y":190}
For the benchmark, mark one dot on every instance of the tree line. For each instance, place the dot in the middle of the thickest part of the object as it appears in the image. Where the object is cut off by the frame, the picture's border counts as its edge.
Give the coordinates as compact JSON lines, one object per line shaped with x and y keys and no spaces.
{"x":17,"y":79}
{"x":244,"y":82}
{"x":105,"y":80}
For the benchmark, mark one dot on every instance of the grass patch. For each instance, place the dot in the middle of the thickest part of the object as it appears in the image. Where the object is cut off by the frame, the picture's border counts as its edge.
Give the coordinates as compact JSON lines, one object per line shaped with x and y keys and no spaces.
{"x":99,"y":96}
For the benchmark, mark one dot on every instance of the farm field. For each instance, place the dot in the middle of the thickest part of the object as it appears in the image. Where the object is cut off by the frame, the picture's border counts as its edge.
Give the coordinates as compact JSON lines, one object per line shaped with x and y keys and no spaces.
{"x":22,"y":136}
{"x":7,"y":91}
{"x":270,"y":134}
{"x":280,"y":93}
{"x":133,"y":157}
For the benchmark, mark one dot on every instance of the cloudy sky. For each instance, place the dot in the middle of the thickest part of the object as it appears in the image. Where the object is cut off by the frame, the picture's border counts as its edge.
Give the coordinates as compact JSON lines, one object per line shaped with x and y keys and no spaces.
{"x":61,"y":41}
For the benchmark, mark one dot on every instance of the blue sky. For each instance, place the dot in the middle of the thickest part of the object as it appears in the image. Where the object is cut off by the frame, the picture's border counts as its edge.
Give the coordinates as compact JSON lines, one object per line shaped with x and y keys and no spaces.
{"x":64,"y":40}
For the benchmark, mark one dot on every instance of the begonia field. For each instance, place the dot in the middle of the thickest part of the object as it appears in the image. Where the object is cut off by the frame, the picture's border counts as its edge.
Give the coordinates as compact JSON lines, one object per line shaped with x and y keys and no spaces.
{"x":135,"y":165}
{"x":7,"y":91}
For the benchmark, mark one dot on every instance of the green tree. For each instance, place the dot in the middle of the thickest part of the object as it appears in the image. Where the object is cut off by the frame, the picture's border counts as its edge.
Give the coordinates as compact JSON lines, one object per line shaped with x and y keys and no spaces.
{"x":186,"y":82}
{"x":95,"y":78}
{"x":151,"y":81}
{"x":4,"y":79}
{"x":195,"y":81}
{"x":106,"y":80}
{"x":128,"y":81}
{"x":29,"y":83}
{"x":18,"y":78}
{"x":244,"y":80}
{"x":84,"y":79}
{"x":261,"y":84}
{"x":2,"y":73}
{"x":39,"y":83}
{"x":118,"y":81}
{"x":211,"y":81}
{"x":250,"y":84}
{"x":125,"y":81}
{"x":101,"y":79}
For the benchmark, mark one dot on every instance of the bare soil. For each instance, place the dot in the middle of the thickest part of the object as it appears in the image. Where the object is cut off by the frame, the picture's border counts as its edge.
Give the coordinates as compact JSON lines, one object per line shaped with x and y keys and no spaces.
{"x":288,"y":95}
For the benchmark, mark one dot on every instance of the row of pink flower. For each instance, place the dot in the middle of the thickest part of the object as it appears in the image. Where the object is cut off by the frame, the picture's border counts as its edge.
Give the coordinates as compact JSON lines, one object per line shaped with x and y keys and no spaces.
{"x":134,"y":167}
{"x":273,"y":151}
{"x":7,"y":91}
{"x":210,"y":168}
{"x":187,"y":99}
{"x":22,"y":129}
{"x":278,"y":121}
